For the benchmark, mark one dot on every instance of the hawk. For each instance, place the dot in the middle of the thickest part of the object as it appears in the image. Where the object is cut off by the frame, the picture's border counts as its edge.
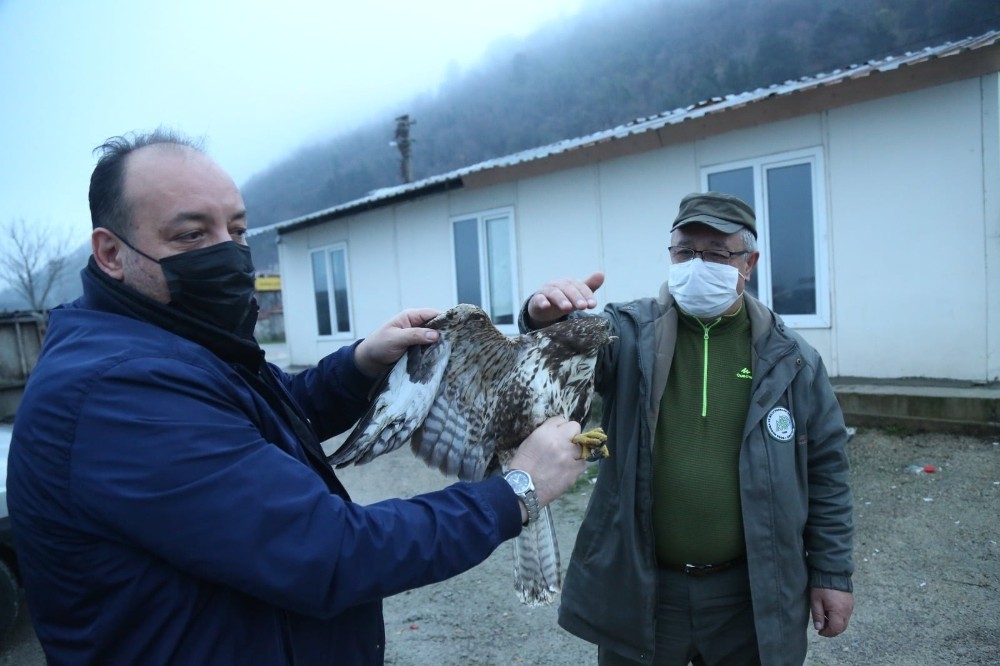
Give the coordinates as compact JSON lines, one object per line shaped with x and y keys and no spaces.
{"x":466,"y":402}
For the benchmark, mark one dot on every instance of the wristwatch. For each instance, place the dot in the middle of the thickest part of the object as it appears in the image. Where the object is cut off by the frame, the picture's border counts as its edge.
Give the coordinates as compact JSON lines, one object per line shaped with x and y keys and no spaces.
{"x":520,"y":481}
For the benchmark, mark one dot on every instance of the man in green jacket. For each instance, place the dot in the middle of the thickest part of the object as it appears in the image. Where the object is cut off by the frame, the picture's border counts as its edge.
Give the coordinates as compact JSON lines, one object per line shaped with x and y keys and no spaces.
{"x":723,"y":518}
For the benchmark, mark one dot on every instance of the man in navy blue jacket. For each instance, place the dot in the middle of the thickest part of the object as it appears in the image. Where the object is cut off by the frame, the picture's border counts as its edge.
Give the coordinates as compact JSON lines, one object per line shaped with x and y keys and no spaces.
{"x":170,"y":499}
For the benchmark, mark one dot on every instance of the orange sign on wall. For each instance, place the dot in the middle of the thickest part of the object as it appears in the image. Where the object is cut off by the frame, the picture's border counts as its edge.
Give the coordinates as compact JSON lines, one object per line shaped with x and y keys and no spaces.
{"x":268,"y":283}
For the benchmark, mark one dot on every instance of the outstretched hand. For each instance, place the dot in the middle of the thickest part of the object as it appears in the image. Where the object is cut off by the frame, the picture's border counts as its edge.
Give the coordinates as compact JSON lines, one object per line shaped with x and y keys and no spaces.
{"x":377,"y":353}
{"x":558,"y":298}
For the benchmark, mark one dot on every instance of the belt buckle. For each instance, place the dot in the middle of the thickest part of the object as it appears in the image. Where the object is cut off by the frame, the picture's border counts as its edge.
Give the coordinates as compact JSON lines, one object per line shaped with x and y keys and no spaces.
{"x":697,"y":569}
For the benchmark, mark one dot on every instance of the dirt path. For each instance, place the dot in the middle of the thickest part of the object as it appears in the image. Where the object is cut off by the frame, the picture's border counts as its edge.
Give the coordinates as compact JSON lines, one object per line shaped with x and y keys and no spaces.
{"x":927,"y":555}
{"x":927,"y":585}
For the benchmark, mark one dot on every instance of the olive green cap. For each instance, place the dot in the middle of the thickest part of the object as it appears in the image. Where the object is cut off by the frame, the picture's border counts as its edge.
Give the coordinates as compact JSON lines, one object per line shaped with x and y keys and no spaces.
{"x":719,"y":210}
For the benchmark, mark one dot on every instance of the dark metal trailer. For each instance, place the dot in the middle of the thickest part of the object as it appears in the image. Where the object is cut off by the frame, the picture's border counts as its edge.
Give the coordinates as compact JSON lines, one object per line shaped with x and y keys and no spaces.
{"x":21,"y":336}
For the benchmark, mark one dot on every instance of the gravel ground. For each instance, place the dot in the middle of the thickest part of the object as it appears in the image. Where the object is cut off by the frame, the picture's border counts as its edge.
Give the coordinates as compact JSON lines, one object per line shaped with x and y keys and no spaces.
{"x":927,"y":581}
{"x":927,"y":553}
{"x":927,"y":585}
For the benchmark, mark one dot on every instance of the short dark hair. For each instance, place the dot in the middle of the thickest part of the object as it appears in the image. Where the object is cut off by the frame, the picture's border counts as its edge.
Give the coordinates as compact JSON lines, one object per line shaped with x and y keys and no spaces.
{"x":108,"y":207}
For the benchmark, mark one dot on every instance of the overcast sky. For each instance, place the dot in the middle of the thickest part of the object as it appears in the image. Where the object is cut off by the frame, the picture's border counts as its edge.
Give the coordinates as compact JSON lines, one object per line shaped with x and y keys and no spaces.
{"x":257,"y":79}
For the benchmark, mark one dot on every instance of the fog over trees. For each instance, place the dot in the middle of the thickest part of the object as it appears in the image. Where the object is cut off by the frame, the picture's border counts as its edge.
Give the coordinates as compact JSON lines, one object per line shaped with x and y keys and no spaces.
{"x":615,"y":61}
{"x":612,"y":63}
{"x":38,"y":264}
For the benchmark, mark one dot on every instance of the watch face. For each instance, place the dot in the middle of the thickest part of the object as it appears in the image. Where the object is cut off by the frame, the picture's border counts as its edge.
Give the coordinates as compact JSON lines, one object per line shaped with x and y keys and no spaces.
{"x":519,"y":481}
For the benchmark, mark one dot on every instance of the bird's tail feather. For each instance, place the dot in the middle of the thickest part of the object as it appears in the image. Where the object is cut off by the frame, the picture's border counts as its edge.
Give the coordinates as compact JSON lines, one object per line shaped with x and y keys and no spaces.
{"x":537,"y":575}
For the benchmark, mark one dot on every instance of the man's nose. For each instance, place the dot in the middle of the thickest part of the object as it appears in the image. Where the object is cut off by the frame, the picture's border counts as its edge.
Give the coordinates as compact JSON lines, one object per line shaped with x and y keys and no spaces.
{"x":219,"y":235}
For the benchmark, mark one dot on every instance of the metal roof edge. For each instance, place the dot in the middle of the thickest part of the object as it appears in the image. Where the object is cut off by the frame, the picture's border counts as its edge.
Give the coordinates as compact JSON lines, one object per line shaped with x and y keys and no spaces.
{"x":384,"y":196}
{"x":476,"y":174}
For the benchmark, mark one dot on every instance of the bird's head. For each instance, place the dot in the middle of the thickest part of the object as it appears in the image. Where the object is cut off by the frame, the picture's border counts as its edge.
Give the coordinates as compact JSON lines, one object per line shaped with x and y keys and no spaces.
{"x":459,"y":315}
{"x":466,"y":321}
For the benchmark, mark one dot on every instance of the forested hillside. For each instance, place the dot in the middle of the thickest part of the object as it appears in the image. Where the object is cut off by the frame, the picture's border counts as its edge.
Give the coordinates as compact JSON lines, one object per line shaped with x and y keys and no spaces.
{"x":617,"y":60}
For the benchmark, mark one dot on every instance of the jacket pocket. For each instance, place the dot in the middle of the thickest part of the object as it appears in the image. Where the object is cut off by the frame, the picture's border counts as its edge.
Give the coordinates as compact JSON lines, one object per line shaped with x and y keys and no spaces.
{"x":596,"y":522}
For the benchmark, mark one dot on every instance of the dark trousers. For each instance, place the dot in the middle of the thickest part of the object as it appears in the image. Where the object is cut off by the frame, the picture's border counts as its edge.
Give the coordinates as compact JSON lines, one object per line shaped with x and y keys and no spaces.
{"x":701,"y":620}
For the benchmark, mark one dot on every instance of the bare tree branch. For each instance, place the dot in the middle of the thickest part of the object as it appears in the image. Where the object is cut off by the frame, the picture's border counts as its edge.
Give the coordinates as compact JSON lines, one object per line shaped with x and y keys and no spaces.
{"x":32,"y":259}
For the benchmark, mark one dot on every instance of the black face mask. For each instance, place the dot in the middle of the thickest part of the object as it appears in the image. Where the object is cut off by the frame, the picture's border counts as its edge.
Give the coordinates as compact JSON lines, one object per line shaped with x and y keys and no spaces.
{"x":215,"y":284}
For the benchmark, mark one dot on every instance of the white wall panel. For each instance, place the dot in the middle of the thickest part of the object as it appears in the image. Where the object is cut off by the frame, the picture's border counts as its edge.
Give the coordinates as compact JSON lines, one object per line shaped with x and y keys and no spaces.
{"x":423,"y":234}
{"x":914,"y":233}
{"x":558,"y":227}
{"x":906,"y":184}
{"x":639,"y":200}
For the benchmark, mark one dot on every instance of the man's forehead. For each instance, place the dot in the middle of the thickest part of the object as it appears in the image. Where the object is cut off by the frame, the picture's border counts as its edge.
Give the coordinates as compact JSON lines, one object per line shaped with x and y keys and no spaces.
{"x":170,"y":167}
{"x":160,"y":156}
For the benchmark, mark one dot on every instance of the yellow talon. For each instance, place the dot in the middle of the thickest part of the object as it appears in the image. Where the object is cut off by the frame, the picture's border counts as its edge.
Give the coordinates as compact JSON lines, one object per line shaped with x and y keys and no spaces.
{"x":592,"y":445}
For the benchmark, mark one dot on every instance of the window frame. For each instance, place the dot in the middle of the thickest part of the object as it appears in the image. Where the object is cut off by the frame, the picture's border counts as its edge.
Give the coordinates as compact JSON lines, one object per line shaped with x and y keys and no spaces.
{"x":327,"y":251}
{"x":482,"y":218}
{"x":760,"y":166}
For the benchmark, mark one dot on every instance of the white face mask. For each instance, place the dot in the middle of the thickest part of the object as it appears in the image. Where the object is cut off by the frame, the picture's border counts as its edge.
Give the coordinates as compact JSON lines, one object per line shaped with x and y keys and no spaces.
{"x":703,"y":289}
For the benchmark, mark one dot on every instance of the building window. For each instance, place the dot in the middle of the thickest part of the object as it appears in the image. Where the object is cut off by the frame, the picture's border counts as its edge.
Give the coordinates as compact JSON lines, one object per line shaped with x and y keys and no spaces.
{"x":484,"y":263}
{"x":333,"y":306}
{"x":786,"y":192}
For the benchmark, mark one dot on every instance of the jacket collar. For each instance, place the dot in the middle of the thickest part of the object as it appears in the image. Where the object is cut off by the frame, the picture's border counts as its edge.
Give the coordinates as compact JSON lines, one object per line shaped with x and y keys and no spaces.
{"x":105,"y":293}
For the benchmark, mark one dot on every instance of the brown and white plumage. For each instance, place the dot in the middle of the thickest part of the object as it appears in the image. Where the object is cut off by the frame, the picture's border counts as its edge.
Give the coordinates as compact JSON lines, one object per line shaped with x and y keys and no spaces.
{"x":467,"y":402}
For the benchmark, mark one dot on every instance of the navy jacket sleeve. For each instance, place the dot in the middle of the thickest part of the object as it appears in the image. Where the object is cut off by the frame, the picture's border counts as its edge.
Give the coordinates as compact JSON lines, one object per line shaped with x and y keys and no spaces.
{"x":334,"y":394}
{"x":185,"y":473}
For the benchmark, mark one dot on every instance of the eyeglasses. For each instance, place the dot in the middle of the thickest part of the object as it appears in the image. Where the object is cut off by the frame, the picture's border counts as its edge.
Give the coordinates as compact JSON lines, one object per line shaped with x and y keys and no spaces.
{"x":680,"y":254}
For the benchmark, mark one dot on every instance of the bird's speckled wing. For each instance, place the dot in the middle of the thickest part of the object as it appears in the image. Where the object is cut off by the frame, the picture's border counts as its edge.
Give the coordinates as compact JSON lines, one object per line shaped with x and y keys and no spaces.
{"x":468,"y":401}
{"x":400,"y":405}
{"x":460,"y":432}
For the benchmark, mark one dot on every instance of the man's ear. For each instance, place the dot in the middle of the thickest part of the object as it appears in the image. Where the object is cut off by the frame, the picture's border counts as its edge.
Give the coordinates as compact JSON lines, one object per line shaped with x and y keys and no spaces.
{"x":107,"y":249}
{"x":752,"y":261}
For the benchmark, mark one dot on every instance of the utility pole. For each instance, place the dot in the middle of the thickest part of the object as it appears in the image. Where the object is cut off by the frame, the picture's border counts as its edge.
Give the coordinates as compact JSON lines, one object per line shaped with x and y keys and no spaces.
{"x":402,"y":142}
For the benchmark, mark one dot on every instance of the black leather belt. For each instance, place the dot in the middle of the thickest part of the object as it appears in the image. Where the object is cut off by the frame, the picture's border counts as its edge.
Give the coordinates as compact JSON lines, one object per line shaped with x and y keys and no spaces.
{"x":703,"y":569}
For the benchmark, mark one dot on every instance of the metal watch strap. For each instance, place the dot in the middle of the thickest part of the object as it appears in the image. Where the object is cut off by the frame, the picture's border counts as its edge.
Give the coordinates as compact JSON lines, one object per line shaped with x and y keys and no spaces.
{"x":531,"y":504}
{"x":522,"y":485}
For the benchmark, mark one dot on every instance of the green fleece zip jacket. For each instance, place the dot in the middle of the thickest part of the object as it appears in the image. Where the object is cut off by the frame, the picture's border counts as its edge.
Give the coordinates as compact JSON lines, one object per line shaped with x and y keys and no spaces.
{"x":696,"y":450}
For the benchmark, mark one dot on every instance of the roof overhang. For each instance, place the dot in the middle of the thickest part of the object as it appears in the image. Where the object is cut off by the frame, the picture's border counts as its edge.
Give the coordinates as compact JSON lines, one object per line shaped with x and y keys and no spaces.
{"x":719,"y":117}
{"x":968,"y":58}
